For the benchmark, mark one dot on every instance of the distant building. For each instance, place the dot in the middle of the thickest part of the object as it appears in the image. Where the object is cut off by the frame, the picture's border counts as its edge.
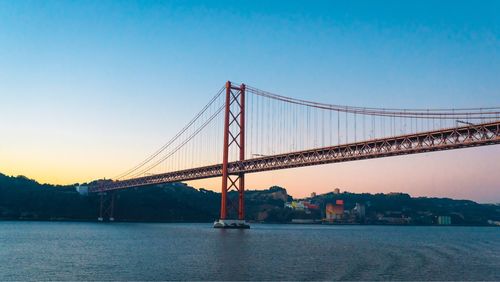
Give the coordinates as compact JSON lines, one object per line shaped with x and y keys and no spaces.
{"x":298,"y":205}
{"x":336,"y":191}
{"x":82,"y":190}
{"x":310,"y":206}
{"x":360,"y":210}
{"x":301,"y":205}
{"x":335,"y":212}
{"x":444,"y":220}
{"x":295,"y":205}
{"x":329,"y":212}
{"x":313,"y":194}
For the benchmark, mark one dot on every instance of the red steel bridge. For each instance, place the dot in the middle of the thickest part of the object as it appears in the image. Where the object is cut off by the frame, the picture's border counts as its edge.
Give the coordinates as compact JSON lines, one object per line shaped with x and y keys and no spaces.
{"x":245,"y":130}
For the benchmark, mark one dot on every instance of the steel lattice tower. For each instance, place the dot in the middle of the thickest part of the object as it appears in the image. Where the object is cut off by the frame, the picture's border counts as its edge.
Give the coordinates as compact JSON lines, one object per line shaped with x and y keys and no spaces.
{"x":234,"y":137}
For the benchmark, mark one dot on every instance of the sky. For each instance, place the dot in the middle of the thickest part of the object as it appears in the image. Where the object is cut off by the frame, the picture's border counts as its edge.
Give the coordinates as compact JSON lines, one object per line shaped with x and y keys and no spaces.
{"x":90,"y":88}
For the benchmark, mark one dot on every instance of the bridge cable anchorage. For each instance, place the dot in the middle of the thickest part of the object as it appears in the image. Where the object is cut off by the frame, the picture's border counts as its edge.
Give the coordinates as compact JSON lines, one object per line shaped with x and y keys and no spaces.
{"x":285,"y":132}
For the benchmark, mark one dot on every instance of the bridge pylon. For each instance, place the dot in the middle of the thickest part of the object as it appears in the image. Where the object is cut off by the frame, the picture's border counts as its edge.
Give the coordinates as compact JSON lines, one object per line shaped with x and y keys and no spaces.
{"x":234,"y":137}
{"x":106,"y":206}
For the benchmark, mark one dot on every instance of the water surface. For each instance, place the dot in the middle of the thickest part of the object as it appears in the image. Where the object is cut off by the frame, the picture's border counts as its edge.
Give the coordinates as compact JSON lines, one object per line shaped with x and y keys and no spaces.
{"x":143,"y":251}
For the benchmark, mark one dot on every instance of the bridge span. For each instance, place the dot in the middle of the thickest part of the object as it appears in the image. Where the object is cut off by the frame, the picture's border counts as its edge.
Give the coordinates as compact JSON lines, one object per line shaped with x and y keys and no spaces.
{"x":248,"y":130}
{"x":439,"y":140}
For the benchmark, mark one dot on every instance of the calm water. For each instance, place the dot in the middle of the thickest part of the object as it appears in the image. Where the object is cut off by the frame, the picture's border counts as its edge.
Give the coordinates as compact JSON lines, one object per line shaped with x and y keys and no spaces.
{"x":137,"y":251}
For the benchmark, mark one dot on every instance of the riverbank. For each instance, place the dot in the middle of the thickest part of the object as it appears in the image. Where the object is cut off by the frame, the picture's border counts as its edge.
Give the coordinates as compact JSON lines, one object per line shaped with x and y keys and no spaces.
{"x":25,"y":199}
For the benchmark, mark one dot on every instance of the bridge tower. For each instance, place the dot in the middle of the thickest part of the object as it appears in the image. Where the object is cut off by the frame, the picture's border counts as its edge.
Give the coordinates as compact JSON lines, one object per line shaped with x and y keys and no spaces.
{"x":106,"y":206}
{"x":234,"y":137}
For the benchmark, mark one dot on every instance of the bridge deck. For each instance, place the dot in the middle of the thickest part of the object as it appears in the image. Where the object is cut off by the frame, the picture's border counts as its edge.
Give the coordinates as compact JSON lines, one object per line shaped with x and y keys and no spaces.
{"x":445,"y":139}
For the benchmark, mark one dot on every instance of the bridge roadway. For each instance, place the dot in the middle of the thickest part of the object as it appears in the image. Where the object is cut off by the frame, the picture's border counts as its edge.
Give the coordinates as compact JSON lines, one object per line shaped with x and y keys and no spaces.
{"x":445,"y":139}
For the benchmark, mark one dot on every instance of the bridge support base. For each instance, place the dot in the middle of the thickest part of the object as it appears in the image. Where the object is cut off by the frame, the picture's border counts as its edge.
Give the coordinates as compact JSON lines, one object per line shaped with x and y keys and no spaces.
{"x":231,"y":224}
{"x":106,"y":206}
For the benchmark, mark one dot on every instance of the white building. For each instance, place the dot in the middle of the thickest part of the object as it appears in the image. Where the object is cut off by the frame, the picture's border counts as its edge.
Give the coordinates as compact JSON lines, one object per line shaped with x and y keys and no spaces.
{"x":83,"y":190}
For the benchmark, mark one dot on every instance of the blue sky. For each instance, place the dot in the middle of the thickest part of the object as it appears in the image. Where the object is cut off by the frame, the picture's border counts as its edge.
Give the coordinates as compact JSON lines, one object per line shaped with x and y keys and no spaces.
{"x":112,"y":80}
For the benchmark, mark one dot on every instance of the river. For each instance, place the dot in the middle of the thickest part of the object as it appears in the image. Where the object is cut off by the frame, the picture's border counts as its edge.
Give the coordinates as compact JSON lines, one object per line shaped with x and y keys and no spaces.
{"x":157,"y":251}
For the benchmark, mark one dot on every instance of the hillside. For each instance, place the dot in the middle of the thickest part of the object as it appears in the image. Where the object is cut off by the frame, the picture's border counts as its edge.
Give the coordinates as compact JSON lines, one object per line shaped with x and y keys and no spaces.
{"x":25,"y":199}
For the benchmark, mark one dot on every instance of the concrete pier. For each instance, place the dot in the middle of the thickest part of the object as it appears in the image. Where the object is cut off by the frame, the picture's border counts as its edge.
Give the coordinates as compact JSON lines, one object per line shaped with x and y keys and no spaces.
{"x":231,"y":224}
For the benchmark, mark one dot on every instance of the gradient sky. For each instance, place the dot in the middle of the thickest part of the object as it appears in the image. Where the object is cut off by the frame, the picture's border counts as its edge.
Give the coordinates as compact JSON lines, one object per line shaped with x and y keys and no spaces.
{"x":89,"y":88}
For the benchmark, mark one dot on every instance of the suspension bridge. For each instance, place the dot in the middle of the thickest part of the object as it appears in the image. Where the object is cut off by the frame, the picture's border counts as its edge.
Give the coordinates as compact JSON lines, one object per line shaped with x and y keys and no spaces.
{"x":243,"y":130}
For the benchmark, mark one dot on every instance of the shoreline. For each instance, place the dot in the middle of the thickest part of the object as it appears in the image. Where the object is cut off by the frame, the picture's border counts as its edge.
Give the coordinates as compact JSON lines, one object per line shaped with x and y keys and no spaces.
{"x":250,"y":222}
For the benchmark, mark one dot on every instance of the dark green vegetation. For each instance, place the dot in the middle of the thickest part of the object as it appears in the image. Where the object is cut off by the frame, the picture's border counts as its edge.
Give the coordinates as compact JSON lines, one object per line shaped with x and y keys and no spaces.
{"x":25,"y":199}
